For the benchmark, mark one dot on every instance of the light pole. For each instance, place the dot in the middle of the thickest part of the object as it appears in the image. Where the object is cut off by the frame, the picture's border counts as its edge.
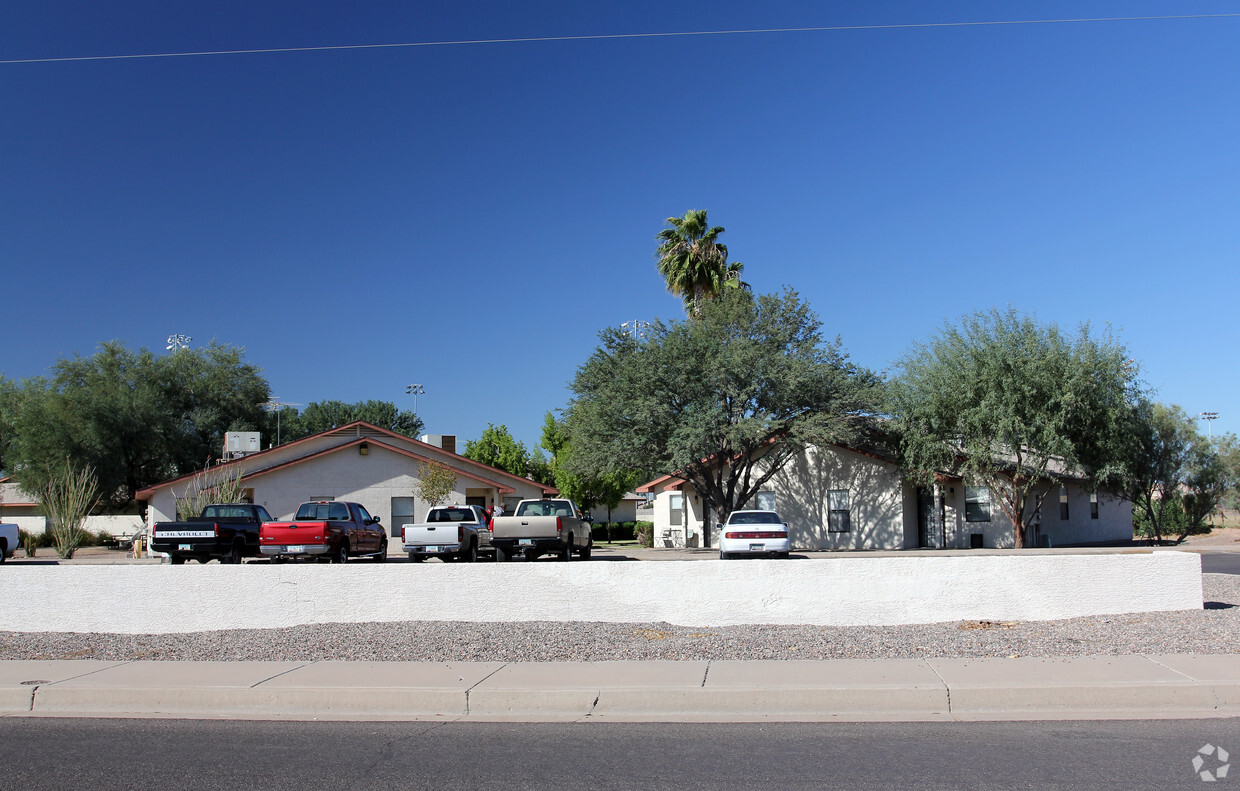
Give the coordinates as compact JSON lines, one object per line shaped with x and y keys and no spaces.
{"x":636,"y":329}
{"x":415,"y":391}
{"x":178,"y":341}
{"x":1209,"y":417}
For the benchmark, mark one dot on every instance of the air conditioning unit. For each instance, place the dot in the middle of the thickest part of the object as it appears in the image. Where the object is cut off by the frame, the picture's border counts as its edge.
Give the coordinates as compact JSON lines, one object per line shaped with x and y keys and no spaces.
{"x":241,"y":443}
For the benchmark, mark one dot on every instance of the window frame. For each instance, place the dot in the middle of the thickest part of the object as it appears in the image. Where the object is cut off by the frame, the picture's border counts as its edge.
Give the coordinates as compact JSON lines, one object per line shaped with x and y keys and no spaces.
{"x":839,"y":520}
{"x":974,"y":505}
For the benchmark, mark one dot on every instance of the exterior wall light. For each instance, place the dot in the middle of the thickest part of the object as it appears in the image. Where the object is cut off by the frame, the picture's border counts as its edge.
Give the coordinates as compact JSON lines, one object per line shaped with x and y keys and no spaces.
{"x":363,"y":449}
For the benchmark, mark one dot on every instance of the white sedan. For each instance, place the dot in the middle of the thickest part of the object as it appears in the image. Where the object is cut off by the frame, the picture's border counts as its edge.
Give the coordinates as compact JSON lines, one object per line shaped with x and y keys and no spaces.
{"x":753,"y":533}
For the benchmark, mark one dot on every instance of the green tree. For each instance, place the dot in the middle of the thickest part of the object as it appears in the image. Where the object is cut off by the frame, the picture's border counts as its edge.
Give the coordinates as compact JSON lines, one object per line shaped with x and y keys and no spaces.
{"x":323,"y":415}
{"x":134,"y":418}
{"x":694,"y":262}
{"x":497,"y":448}
{"x":436,"y":481}
{"x":1174,"y":476}
{"x":595,"y":488}
{"x":1010,"y":403}
{"x":726,"y":400}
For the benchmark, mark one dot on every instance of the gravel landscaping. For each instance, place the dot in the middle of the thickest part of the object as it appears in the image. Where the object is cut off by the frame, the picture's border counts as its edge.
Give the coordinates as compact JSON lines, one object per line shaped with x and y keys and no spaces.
{"x":1213,"y":630}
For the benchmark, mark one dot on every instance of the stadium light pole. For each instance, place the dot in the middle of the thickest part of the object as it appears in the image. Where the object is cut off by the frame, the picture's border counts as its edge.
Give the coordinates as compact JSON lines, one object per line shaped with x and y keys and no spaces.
{"x":636,"y":329}
{"x":178,"y":341}
{"x":1209,"y":418}
{"x":415,"y":391}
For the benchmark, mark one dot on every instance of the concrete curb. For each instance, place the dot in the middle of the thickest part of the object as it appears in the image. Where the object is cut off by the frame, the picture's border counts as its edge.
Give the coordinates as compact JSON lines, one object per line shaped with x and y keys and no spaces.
{"x":1093,"y":687}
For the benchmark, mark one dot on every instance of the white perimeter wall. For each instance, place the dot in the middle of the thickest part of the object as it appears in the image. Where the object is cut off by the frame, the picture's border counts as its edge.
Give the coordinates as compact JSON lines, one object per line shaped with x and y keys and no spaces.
{"x":844,"y":591}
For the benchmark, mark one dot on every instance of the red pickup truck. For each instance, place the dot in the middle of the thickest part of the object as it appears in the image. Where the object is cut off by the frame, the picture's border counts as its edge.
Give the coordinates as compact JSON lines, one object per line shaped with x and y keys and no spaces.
{"x":329,"y":529}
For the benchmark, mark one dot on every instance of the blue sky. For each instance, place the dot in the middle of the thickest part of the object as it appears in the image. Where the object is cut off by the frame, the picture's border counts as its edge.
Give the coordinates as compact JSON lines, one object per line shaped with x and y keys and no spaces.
{"x":469,"y":217}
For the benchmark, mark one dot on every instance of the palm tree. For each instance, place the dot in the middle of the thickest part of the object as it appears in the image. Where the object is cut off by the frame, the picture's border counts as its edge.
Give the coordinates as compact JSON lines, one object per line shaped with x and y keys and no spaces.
{"x":694,"y":262}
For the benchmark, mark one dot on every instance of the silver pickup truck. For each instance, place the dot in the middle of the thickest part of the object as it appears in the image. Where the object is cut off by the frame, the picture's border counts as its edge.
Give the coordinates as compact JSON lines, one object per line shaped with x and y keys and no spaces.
{"x":450,"y":532}
{"x":540,"y":527}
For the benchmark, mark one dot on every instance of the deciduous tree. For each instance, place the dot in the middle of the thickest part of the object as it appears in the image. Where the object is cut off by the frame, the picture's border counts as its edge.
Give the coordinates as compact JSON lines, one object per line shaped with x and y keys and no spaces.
{"x":133,"y":417}
{"x":323,"y":415}
{"x":725,"y":400}
{"x":1009,"y":403}
{"x":1175,"y":476}
{"x":435,"y":483}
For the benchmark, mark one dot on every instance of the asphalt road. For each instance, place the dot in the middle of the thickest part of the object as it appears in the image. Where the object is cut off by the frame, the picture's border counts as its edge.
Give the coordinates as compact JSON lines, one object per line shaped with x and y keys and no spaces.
{"x":44,"y":754}
{"x":1220,"y":563}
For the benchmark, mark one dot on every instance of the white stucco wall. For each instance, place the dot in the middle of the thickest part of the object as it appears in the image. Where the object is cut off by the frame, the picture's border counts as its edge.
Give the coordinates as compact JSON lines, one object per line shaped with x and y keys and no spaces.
{"x":833,"y":592}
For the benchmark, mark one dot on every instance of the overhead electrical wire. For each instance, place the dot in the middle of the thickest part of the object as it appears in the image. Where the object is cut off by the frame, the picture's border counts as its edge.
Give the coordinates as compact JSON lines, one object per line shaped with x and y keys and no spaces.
{"x":608,"y":36}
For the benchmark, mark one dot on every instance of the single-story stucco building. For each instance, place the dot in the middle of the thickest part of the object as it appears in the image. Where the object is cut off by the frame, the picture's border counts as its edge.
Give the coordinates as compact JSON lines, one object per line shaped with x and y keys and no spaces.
{"x":837,"y":497}
{"x":358,"y":462}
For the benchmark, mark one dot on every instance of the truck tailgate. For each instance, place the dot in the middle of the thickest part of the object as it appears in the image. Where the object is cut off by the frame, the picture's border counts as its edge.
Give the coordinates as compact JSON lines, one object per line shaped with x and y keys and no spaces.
{"x":293,"y":532}
{"x":425,"y":534}
{"x":525,"y":527}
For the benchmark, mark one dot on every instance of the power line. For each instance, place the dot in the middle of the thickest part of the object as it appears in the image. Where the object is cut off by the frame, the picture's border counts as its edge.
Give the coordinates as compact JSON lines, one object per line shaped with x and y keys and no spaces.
{"x":609,"y":36}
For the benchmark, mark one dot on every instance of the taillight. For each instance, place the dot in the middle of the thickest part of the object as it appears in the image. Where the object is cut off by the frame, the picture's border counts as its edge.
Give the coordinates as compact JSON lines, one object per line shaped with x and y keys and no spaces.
{"x":559,"y":524}
{"x":217,"y":529}
{"x":460,"y":534}
{"x":758,"y":534}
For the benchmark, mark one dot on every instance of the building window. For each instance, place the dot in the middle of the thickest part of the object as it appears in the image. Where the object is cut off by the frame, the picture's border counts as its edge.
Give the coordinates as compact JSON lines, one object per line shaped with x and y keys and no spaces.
{"x":766,"y":501}
{"x":1093,"y":506}
{"x":1063,"y":502}
{"x":678,"y":508}
{"x":837,"y":515}
{"x":976,"y":504}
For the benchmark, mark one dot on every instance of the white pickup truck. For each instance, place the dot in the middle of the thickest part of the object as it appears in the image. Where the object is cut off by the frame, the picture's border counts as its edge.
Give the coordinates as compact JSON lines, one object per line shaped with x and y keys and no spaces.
{"x":450,"y":532}
{"x":541,"y":527}
{"x":8,"y":541}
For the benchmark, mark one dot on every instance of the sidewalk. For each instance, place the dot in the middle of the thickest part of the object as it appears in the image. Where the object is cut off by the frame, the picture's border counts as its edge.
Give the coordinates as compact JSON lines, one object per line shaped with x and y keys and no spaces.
{"x":1095,"y":687}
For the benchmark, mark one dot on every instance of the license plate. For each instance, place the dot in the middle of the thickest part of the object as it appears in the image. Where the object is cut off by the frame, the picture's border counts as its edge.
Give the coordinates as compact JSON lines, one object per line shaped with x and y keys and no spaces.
{"x":432,"y":549}
{"x":756,"y":547}
{"x":185,"y":547}
{"x":295,"y":548}
{"x":526,"y":542}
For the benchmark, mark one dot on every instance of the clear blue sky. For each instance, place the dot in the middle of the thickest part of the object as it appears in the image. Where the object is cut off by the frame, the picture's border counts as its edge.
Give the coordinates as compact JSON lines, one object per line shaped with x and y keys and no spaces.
{"x":468,"y":217}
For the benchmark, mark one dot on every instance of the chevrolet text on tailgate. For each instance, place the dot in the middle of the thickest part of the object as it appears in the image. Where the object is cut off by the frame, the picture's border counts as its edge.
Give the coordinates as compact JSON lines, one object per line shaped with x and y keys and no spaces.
{"x":329,"y":529}
{"x":541,"y":527}
{"x":227,"y":531}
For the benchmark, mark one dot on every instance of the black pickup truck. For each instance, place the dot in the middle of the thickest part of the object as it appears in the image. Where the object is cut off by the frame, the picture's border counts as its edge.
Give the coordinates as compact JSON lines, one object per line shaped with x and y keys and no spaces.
{"x":227,"y":532}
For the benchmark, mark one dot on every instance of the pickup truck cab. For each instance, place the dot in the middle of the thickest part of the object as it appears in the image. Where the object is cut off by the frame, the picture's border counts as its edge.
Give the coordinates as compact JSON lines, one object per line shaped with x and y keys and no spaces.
{"x":8,"y":541}
{"x":330,"y":529}
{"x":540,"y":527}
{"x":450,"y":532}
{"x":226,"y":532}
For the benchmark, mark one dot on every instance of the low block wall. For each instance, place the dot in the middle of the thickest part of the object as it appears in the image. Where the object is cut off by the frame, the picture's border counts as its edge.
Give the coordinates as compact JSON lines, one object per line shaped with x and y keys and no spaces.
{"x":829,"y":592}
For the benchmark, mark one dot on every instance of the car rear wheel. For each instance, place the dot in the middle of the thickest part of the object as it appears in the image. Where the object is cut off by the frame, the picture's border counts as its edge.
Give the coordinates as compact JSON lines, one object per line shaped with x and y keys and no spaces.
{"x":176,"y":560}
{"x":723,"y":555}
{"x":566,"y":554}
{"x":381,"y":555}
{"x":501,"y":555}
{"x":342,"y":552}
{"x":531,"y":555}
{"x":234,"y":555}
{"x":470,"y":553}
{"x":585,"y":551}
{"x":414,"y":557}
